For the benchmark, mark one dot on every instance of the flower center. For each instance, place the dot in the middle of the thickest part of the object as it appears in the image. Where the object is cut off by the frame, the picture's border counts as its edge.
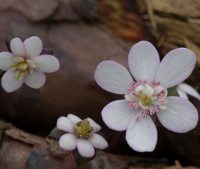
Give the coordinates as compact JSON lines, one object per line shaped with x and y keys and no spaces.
{"x":83,"y":129}
{"x":22,"y":67}
{"x":147,"y":98}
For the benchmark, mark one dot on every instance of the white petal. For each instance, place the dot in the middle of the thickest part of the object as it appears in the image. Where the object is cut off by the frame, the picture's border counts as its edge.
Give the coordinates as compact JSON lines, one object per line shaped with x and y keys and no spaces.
{"x":85,"y":148}
{"x":189,"y":90}
{"x":47,"y":63}
{"x":95,"y":126}
{"x":33,"y":46}
{"x":35,"y":80}
{"x":6,"y":60}
{"x":181,"y":116}
{"x":17,"y":47}
{"x":9,"y":82}
{"x":113,"y":77}
{"x":74,"y":119}
{"x":182,"y":94}
{"x":68,"y":142}
{"x":175,"y":67}
{"x":142,"y":135}
{"x":98,"y":141}
{"x":64,"y":124}
{"x":117,"y":115}
{"x":143,"y":60}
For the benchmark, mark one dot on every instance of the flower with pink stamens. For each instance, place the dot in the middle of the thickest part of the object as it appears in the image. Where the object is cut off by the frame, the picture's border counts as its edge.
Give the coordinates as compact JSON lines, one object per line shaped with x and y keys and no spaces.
{"x":147,"y":95}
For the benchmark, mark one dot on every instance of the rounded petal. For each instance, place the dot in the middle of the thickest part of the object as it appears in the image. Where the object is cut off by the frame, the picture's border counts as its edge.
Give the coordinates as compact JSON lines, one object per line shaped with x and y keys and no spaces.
{"x":95,"y":126}
{"x":17,"y":47}
{"x":85,"y":148}
{"x":175,"y":67}
{"x":74,"y":119}
{"x":189,"y":90}
{"x":117,"y":115}
{"x":47,"y":63}
{"x":9,"y":82}
{"x":35,"y":80}
{"x":180,"y":116}
{"x":182,"y":94}
{"x":142,"y":135}
{"x":113,"y":77}
{"x":68,"y":142}
{"x":64,"y":124}
{"x":143,"y":60}
{"x":33,"y":46}
{"x":6,"y":60}
{"x":98,"y":141}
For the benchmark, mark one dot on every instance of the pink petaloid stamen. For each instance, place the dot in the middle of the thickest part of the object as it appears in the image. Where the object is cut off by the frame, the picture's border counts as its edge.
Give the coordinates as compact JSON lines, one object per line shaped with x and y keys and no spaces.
{"x":133,"y":105}
{"x":161,"y":93}
{"x":155,"y":84}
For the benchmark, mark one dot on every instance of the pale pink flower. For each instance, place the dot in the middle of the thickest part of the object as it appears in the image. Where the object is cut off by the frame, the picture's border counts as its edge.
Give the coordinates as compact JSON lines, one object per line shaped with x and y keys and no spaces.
{"x":81,"y":134}
{"x":184,"y":90}
{"x":26,"y":64}
{"x":147,"y":95}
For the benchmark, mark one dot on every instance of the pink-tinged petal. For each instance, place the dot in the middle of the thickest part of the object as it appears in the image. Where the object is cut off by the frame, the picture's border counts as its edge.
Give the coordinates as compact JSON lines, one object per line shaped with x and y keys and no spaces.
{"x":33,"y":46}
{"x":64,"y":124}
{"x":143,"y":60}
{"x":189,"y":90}
{"x":85,"y":148}
{"x":47,"y":63}
{"x":113,"y":77}
{"x":180,"y":116}
{"x":17,"y":47}
{"x":175,"y":67}
{"x":182,"y":94}
{"x":35,"y":80}
{"x":9,"y":82}
{"x":142,"y":135}
{"x":95,"y":126}
{"x":74,"y":119}
{"x":68,"y":142}
{"x":6,"y":60}
{"x":98,"y":141}
{"x":117,"y":115}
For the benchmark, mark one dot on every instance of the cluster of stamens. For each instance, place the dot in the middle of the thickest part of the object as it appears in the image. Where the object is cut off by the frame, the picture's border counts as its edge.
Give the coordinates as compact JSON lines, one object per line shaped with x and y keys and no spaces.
{"x":22,"y":67}
{"x":83,"y":129}
{"x":147,"y":98}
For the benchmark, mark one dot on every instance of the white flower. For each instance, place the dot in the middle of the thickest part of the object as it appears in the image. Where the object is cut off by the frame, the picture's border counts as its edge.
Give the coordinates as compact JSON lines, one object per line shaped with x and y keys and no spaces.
{"x":81,"y":134}
{"x":184,"y":90}
{"x":26,"y":64}
{"x":147,"y":95}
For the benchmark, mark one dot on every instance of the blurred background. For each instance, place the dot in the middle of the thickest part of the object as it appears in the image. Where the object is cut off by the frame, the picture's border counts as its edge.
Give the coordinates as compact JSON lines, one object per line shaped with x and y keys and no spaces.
{"x":83,"y":33}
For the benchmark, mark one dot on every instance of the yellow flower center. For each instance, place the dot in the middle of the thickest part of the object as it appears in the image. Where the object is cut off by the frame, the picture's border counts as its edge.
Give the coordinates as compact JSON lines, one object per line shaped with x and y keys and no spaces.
{"x":22,"y":67}
{"x":83,"y":129}
{"x":145,"y":99}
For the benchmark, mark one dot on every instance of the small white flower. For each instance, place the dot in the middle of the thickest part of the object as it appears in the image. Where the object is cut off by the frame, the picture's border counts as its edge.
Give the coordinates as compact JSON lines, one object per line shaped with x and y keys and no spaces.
{"x":184,"y":90}
{"x":81,"y":134}
{"x":26,"y":64}
{"x":147,"y":95}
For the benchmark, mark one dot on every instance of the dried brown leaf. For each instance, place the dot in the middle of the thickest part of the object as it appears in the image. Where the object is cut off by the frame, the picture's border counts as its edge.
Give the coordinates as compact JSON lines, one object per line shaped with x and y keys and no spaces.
{"x":25,"y":137}
{"x":122,"y":22}
{"x":189,"y":8}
